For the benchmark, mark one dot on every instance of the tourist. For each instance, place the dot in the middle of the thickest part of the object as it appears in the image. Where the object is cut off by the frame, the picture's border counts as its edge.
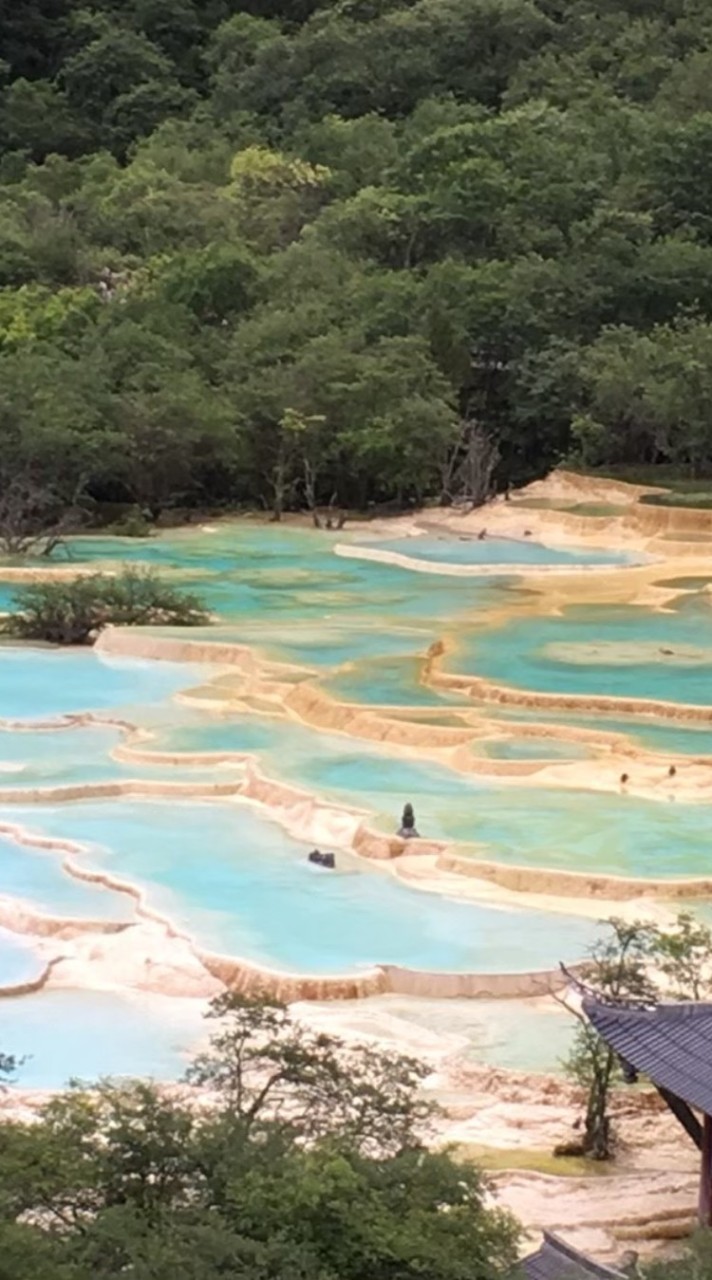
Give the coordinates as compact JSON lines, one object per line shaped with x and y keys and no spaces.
{"x":408,"y":830}
{"x":320,"y":859}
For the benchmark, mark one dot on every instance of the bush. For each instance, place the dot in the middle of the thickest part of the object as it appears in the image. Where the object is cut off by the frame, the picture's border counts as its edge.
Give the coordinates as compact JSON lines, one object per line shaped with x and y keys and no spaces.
{"x":133,"y":524}
{"x":74,"y":612}
{"x":308,"y":1164}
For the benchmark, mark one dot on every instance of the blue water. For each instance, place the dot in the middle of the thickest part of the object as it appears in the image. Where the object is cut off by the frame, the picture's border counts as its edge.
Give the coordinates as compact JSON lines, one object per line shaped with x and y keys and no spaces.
{"x":288,"y":594}
{"x":240,"y":886}
{"x":342,"y":769}
{"x":386,"y":681}
{"x":590,"y":831}
{"x":89,"y":1034}
{"x":36,"y":876}
{"x":260,"y":573}
{"x":657,"y":735}
{"x":52,"y":758}
{"x":541,"y":653}
{"x":18,"y":961}
{"x":234,"y":880}
{"x":520,"y":1034}
{"x":585,"y":831}
{"x":504,"y":551}
{"x":43,"y":683}
{"x":241,"y":734}
{"x":531,"y":748}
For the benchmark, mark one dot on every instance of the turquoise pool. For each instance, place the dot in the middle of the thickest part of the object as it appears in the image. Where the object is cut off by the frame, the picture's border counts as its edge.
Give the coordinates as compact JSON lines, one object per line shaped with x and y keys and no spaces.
{"x":494,"y":551}
{"x":268,"y":578}
{"x":532,"y":748}
{"x":520,"y":1034}
{"x":535,"y":826}
{"x":53,"y":758}
{"x":386,"y":681}
{"x":89,"y":1034}
{"x":36,"y":876}
{"x":343,"y":769}
{"x":657,"y":735}
{"x":589,"y":832}
{"x":621,"y":652}
{"x":239,"y":885}
{"x":40,"y":683}
{"x":235,"y":881}
{"x":18,"y":961}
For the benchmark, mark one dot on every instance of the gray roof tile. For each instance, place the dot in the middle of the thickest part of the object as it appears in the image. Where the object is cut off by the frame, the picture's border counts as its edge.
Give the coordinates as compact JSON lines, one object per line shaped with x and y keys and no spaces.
{"x":671,"y":1043}
{"x":556,"y":1260}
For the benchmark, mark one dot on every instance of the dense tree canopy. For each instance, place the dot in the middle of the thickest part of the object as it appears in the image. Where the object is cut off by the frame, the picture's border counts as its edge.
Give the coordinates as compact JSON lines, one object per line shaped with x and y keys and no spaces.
{"x":407,"y":225}
{"x":306,"y":1164}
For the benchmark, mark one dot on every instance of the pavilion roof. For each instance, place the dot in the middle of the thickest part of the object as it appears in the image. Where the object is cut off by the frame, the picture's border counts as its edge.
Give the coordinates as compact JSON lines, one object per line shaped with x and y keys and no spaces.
{"x":670,"y":1043}
{"x":556,"y":1260}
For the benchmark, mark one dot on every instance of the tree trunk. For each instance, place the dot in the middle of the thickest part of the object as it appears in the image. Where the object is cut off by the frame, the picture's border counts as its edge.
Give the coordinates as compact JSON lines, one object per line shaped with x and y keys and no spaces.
{"x":468,"y":471}
{"x":279,"y":484}
{"x":597,"y":1126}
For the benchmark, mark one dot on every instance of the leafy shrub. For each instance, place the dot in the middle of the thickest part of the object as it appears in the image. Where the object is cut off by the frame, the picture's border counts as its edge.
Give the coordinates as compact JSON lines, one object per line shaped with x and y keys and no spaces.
{"x":132,"y":524}
{"x":73,"y":612}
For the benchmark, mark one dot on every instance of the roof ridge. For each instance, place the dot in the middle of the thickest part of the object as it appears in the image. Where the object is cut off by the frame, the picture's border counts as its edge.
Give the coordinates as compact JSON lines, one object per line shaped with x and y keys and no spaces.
{"x":685,"y":1008}
{"x":596,"y":1269}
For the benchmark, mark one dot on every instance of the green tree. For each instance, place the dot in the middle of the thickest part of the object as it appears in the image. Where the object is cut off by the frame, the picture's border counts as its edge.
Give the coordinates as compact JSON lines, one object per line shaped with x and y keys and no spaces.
{"x":56,"y":436}
{"x":308,"y":1163}
{"x":618,"y":968}
{"x":695,"y":1264}
{"x":639,"y":962}
{"x":113,"y":69}
{"x":70,"y":613}
{"x":650,"y":397}
{"x":37,"y":118}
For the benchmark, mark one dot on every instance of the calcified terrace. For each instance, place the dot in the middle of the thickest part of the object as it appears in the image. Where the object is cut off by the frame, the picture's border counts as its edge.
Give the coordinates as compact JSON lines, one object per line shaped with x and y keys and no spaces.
{"x":466,"y":723}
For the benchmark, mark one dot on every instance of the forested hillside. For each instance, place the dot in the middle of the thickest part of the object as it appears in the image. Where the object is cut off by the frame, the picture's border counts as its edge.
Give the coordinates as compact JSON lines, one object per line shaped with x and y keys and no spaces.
{"x":284,"y":250}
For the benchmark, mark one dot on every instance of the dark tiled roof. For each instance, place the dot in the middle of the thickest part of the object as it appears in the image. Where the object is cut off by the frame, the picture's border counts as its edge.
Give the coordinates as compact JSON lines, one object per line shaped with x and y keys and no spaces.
{"x":556,"y":1260}
{"x":671,"y":1043}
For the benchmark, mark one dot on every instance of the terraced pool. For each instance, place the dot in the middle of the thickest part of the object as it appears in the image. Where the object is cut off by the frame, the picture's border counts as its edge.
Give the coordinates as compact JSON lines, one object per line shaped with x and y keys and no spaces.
{"x":228,"y":876}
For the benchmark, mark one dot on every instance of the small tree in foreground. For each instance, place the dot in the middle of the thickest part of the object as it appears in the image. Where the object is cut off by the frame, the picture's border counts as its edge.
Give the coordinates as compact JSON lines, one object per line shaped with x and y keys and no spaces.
{"x":617,"y":968}
{"x":695,"y":1264}
{"x":74,"y":612}
{"x":636,"y":962}
{"x":307,"y":1164}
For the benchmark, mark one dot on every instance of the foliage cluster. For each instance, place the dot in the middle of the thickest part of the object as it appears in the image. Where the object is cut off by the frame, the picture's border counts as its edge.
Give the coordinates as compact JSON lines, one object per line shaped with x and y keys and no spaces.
{"x":308,"y":1164}
{"x":643,"y":963}
{"x":370,"y":249}
{"x":75,"y":611}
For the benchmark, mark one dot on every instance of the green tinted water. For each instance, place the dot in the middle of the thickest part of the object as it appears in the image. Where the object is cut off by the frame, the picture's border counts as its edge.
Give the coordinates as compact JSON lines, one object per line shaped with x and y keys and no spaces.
{"x":237,"y":884}
{"x":234,"y":880}
{"x":620,"y":652}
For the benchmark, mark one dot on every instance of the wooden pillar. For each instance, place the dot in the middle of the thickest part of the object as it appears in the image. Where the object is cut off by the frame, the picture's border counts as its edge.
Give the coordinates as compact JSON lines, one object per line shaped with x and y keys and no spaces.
{"x":705,"y":1202}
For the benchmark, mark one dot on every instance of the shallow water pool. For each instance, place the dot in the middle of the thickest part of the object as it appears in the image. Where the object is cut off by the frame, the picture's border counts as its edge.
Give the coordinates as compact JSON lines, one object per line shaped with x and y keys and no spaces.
{"x":619,"y":652}
{"x":67,"y":757}
{"x":35,"y":876}
{"x":657,"y":735}
{"x":386,"y":681}
{"x":531,"y":748}
{"x":589,"y":832}
{"x":504,"y":551}
{"x":41,"y":683}
{"x":89,"y":1034}
{"x":19,"y":962}
{"x":239,"y":885}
